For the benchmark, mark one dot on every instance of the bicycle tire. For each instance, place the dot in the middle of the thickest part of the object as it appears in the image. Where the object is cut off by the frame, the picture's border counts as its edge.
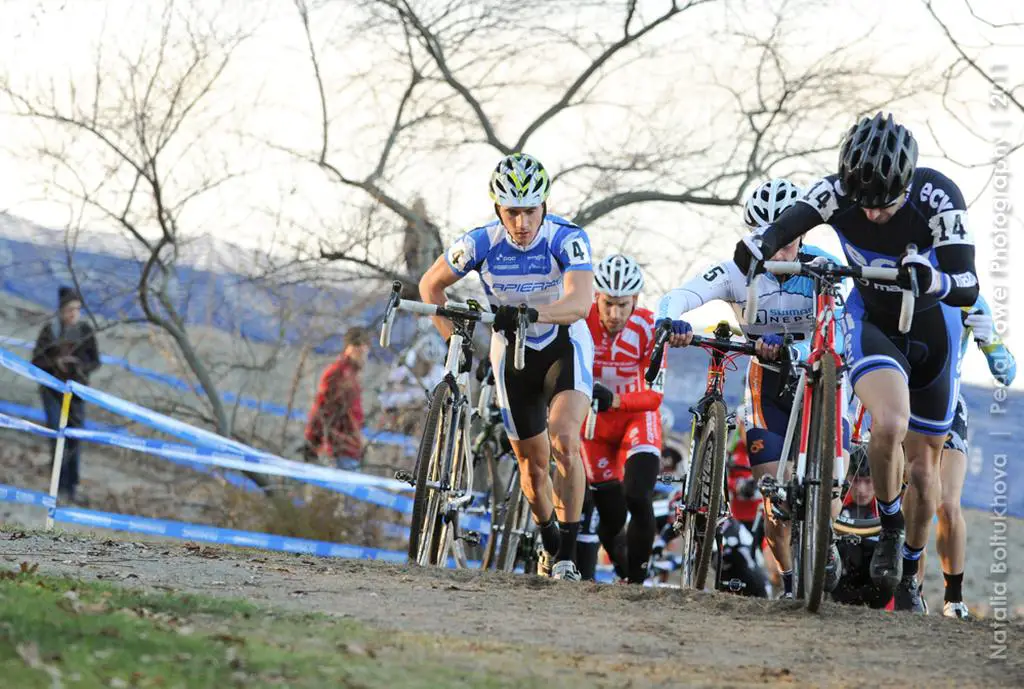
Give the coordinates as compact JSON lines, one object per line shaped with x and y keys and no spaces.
{"x":496,"y":500}
{"x":460,"y":481}
{"x":511,"y":529}
{"x":857,"y":527}
{"x":816,"y":538}
{"x":425,"y":462}
{"x":716,"y":428}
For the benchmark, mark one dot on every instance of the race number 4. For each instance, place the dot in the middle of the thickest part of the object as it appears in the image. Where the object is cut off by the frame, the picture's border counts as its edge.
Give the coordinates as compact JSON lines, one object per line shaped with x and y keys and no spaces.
{"x":579,"y":252}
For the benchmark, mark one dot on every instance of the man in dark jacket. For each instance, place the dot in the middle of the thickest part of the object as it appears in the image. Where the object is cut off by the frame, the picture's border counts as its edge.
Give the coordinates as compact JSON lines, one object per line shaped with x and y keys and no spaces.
{"x":66,"y":349}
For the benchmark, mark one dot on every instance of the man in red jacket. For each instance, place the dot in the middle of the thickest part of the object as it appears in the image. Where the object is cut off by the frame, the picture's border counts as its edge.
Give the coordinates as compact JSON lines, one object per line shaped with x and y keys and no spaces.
{"x":335,"y":426}
{"x":623,"y":457}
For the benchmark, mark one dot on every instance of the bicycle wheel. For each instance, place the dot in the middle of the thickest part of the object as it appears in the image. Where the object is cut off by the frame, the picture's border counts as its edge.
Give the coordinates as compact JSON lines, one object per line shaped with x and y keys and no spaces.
{"x":816,"y":527}
{"x":448,"y":540}
{"x":517,"y":516}
{"x":704,"y":487}
{"x":496,"y":503}
{"x":425,"y":505}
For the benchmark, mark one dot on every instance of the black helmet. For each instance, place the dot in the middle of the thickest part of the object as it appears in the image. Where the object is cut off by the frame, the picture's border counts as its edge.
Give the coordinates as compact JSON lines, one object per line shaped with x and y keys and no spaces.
{"x":877,"y":161}
{"x":859,"y":465}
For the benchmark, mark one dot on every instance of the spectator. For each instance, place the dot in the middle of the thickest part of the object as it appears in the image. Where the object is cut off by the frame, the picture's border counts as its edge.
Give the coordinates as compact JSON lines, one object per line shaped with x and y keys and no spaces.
{"x":66,"y":349}
{"x":335,"y":426}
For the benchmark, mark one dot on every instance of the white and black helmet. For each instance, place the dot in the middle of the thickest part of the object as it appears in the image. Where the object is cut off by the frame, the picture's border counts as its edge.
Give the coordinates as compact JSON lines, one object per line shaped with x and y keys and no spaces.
{"x":768,"y":201}
{"x":618,"y":276}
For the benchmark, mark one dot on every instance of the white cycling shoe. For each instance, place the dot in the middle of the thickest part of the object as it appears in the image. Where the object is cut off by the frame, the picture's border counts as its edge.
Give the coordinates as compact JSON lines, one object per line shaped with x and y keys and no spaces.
{"x":956,"y":610}
{"x":565,"y":570}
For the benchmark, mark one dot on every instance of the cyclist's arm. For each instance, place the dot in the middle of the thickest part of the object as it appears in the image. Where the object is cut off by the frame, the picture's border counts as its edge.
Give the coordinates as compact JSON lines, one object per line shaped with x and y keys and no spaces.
{"x":434,"y":282}
{"x":716,"y":282}
{"x":1001,"y":363}
{"x":817,"y":205}
{"x":575,"y":302}
{"x":645,"y":398}
{"x":954,"y":246}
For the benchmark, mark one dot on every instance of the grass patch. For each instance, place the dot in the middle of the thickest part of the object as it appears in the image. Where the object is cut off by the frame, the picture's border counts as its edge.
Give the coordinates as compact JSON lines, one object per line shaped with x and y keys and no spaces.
{"x":63,"y":632}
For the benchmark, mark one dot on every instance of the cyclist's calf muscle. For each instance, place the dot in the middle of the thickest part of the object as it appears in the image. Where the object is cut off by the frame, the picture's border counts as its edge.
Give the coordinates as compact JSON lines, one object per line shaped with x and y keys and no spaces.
{"x":885,"y":395}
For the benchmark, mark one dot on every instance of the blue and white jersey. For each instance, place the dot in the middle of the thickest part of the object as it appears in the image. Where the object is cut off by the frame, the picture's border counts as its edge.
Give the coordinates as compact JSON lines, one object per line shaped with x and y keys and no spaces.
{"x":785,"y":305}
{"x":514,"y":275}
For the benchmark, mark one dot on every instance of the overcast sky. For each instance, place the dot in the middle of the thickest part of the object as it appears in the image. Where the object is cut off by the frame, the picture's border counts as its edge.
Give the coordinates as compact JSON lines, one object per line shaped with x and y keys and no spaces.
{"x":268,"y":94}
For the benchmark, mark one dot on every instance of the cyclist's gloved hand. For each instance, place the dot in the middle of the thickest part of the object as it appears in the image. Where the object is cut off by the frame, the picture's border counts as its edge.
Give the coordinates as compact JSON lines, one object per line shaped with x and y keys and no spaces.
{"x":483,"y":369}
{"x":603,"y":397}
{"x":681,"y":335}
{"x":929,"y":280}
{"x":769,"y":346}
{"x":506,"y":318}
{"x":981,"y":326}
{"x":751,"y":249}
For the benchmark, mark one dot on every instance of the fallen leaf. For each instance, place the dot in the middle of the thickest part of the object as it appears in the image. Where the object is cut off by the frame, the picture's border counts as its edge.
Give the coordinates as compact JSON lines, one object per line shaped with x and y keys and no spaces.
{"x":356,"y":649}
{"x":17,"y":535}
{"x":26,"y":568}
{"x":230,"y":639}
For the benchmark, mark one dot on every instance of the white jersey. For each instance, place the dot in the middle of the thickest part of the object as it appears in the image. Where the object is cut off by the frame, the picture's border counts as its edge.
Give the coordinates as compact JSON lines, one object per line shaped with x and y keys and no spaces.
{"x":514,"y":275}
{"x":784,"y":306}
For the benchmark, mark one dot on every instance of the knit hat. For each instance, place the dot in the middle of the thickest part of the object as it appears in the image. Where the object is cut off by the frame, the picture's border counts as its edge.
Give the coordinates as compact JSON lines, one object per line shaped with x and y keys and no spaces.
{"x":66,"y":295}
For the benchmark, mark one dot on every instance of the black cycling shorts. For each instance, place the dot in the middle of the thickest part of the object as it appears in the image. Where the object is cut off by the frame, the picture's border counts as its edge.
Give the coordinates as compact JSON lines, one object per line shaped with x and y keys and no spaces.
{"x":928,"y":358}
{"x":566,"y":363}
{"x":957,"y":438}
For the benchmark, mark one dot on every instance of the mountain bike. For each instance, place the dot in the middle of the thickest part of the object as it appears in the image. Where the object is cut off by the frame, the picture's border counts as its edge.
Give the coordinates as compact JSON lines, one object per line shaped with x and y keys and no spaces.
{"x":700,"y":510}
{"x":443,"y":474}
{"x":806,"y":498}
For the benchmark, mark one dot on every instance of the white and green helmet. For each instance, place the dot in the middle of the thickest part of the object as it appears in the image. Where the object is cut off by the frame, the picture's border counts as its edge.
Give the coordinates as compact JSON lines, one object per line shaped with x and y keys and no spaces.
{"x":520,"y":181}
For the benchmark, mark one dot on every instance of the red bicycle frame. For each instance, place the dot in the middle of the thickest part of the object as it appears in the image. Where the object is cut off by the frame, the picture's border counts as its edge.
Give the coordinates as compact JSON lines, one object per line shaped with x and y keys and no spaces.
{"x":822,"y":345}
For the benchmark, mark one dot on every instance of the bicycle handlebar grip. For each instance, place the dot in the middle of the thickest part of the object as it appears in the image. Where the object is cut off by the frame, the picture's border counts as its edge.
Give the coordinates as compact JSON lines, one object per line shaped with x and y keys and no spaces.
{"x":389,"y":314}
{"x":909,"y":297}
{"x":659,"y":347}
{"x":520,"y":353}
{"x":784,"y":267}
{"x":750,"y":310}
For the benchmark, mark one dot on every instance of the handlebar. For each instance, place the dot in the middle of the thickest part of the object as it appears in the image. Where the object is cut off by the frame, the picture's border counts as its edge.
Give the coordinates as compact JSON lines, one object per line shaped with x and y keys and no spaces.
{"x":457,"y":311}
{"x":721,"y":342}
{"x":831,"y":269}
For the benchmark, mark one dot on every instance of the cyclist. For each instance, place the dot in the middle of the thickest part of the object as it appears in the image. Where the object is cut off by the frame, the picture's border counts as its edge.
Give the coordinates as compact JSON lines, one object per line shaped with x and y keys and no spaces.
{"x":786,"y":306}
{"x":855,"y":586}
{"x":951,"y":536}
{"x":878,"y":203}
{"x":624,"y":456}
{"x":528,"y":255}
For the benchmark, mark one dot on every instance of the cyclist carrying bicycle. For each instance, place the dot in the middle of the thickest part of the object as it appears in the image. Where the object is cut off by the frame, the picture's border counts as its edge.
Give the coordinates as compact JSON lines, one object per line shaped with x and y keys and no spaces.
{"x":951,"y":529}
{"x":624,"y":456}
{"x":878,"y":203}
{"x":786,"y":306}
{"x":530,"y":256}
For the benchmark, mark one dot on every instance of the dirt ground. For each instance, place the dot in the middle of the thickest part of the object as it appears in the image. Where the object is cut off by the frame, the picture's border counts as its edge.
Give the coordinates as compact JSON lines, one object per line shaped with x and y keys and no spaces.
{"x":630,"y":637}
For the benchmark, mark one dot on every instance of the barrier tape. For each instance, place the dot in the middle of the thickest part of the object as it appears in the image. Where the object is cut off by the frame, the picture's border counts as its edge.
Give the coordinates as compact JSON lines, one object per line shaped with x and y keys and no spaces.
{"x":23,"y":425}
{"x":214,"y":534}
{"x":26,"y":369}
{"x":383,"y":437}
{"x":23,"y":496}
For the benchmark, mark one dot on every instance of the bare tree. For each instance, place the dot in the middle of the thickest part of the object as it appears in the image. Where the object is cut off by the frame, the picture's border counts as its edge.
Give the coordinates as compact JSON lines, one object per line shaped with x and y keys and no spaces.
{"x":471,"y":75}
{"x":116,"y":146}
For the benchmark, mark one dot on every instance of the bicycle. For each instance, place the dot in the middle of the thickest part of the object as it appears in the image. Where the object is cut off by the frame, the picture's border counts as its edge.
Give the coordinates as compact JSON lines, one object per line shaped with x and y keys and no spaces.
{"x":443,"y":473}
{"x":806,"y":498}
{"x":700,"y":510}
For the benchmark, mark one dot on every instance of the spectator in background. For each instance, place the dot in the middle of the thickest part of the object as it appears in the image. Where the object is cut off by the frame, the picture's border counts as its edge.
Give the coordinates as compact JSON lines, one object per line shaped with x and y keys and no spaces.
{"x":66,"y":349}
{"x":335,"y":426}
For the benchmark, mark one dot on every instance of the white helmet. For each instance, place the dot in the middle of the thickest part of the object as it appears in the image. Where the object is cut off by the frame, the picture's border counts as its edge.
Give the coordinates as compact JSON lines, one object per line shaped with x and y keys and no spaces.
{"x":520,"y":181}
{"x":766,"y":204}
{"x":618,"y":276}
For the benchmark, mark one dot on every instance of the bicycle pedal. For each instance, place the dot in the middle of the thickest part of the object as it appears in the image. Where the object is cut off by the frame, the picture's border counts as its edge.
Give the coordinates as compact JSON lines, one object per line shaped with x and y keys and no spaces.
{"x":472,"y":538}
{"x":405,"y":477}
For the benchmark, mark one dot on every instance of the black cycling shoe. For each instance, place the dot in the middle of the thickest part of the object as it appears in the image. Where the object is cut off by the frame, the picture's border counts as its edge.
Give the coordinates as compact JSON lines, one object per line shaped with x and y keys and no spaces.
{"x":833,"y":568}
{"x":887,"y":560}
{"x":908,"y":596}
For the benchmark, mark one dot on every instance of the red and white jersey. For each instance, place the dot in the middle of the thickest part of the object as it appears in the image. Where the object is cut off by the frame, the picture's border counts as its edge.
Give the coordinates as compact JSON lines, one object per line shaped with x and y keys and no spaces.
{"x":620,"y":361}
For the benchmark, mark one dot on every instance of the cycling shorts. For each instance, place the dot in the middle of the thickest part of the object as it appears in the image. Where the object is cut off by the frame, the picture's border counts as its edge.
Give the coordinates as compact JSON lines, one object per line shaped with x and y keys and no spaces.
{"x":928,"y":358}
{"x":566,"y":363}
{"x":767,"y":404}
{"x":617,"y":437}
{"x":957,"y":438}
